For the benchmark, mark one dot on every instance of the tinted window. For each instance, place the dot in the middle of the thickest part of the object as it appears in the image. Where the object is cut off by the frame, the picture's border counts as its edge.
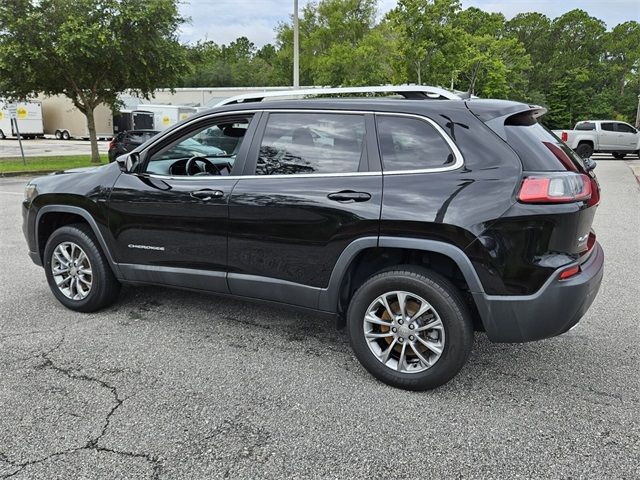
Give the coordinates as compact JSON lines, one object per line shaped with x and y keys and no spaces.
{"x":303,"y":143}
{"x":624,"y":128}
{"x":585,"y":126}
{"x":411,"y":144}
{"x":607,"y":126}
{"x":537,"y":147}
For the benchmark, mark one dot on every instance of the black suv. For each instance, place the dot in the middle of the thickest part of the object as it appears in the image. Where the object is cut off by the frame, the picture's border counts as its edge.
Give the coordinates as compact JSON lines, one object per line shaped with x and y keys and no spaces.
{"x":127,"y":141}
{"x":414,"y":222}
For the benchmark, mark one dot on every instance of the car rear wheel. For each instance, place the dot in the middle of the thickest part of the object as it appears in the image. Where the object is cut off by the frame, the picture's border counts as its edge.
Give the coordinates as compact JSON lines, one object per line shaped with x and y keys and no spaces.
{"x":77,"y":271}
{"x":584,"y":150}
{"x":619,"y":155}
{"x":2,"y":135}
{"x":410,"y":328}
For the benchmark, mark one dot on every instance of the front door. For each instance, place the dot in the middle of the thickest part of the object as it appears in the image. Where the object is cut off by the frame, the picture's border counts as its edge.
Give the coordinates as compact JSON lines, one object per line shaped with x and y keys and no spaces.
{"x":170,"y":220}
{"x":627,"y":137}
{"x":308,"y":192}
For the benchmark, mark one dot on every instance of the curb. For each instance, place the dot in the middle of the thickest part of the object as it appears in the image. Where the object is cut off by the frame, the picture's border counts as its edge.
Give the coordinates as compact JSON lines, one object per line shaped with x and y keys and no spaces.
{"x":27,"y":173}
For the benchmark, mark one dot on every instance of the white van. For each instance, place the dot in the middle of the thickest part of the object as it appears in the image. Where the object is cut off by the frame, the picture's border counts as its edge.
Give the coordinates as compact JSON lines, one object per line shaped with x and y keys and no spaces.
{"x":28,"y":116}
{"x":166,"y":115}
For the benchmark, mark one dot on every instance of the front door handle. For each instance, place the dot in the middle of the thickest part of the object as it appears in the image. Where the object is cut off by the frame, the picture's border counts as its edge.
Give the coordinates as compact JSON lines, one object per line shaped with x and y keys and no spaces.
{"x":206,"y":195}
{"x":349,"y":196}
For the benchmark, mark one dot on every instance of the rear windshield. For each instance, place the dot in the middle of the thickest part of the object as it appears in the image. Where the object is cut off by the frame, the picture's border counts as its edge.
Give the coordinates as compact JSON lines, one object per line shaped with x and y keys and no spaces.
{"x":538,"y":148}
{"x":585,"y":126}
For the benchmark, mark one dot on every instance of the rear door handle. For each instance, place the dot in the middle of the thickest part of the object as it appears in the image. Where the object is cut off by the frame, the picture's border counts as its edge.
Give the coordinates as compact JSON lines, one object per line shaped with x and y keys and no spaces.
{"x":349,"y":196}
{"x":206,"y":195}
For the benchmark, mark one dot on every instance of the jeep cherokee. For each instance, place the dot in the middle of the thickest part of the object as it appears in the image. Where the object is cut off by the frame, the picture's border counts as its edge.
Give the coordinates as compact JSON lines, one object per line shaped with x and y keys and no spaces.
{"x":414,"y":222}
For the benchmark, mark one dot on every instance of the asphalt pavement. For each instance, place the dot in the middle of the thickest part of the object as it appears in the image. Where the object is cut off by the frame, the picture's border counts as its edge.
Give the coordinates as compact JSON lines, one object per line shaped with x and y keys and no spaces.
{"x":176,"y":385}
{"x":48,"y":147}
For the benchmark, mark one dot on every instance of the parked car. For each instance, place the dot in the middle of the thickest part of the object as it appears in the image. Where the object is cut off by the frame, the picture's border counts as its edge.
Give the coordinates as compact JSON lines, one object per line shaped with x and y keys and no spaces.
{"x":412,"y":222}
{"x":603,"y":136}
{"x":125,"y":142}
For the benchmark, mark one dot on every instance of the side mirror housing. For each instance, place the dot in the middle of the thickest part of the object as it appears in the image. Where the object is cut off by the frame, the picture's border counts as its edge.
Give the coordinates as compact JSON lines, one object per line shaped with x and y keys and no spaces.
{"x":128,"y":162}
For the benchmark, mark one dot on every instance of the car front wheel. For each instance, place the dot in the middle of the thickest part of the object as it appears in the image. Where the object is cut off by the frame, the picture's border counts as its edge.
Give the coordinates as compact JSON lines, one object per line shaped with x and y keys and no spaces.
{"x":77,"y":271}
{"x":410,"y":328}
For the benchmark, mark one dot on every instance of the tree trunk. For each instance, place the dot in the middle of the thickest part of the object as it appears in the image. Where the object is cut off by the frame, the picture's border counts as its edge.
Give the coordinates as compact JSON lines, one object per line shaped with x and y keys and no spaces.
{"x":91,"y":125}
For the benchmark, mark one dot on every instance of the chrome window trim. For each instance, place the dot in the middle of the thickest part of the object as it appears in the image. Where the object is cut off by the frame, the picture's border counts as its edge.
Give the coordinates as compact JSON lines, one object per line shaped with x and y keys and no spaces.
{"x":459,"y":159}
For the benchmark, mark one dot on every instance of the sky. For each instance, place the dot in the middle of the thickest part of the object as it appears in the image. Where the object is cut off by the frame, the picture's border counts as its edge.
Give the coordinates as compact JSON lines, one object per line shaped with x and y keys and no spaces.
{"x":222,"y":21}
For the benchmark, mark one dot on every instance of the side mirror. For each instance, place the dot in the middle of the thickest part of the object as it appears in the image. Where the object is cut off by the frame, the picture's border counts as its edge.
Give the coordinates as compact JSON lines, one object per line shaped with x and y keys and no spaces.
{"x":128,"y":162}
{"x":589,"y":164}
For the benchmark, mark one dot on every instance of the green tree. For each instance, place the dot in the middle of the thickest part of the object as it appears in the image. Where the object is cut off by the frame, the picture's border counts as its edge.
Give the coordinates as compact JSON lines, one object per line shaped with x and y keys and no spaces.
{"x":623,"y":54}
{"x":429,"y":42}
{"x":89,"y":50}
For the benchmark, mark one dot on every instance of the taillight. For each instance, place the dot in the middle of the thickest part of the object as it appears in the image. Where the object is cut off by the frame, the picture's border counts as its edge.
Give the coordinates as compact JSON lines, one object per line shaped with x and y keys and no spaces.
{"x":555,"y":188}
{"x":111,"y":144}
{"x":565,"y":136}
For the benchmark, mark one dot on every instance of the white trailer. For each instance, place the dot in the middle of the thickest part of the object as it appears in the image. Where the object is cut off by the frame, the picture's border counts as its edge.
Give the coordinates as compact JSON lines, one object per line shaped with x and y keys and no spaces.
{"x":166,"y":115}
{"x":28,"y":115}
{"x":63,"y":120}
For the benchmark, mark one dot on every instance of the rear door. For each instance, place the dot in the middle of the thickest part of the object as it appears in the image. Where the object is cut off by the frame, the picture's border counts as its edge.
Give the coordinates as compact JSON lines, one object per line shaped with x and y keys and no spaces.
{"x":311,"y":186}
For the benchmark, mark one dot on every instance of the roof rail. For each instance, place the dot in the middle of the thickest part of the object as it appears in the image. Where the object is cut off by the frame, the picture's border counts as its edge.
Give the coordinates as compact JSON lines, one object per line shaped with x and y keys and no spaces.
{"x":413,"y":92}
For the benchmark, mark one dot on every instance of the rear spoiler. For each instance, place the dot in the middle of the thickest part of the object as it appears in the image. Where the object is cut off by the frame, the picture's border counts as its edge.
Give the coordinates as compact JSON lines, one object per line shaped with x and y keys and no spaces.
{"x":494,"y":113}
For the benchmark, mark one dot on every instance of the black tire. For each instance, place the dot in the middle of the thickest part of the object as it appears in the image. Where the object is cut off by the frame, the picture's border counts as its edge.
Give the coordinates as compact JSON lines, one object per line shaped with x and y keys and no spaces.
{"x":2,"y":135}
{"x":584,"y":150}
{"x":65,"y":135}
{"x":105,"y":287}
{"x":58,"y":135}
{"x":619,"y":155}
{"x":445,"y":299}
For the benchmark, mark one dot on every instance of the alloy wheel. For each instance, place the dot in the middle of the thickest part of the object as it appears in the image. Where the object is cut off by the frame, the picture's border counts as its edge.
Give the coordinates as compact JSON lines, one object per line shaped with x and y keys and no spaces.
{"x":404,"y":332}
{"x":71,"y":270}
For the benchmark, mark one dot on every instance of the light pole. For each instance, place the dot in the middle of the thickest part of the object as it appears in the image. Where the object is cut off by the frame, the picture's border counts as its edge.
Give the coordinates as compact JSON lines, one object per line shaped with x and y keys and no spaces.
{"x":638,"y":114}
{"x":296,"y":46}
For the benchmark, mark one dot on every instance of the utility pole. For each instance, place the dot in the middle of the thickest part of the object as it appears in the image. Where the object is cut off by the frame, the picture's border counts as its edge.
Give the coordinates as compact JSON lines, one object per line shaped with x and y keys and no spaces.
{"x":296,"y":46}
{"x":638,"y":114}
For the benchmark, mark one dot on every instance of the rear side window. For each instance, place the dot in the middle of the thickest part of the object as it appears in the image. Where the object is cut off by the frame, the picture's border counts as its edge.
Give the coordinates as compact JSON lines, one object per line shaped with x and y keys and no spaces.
{"x":607,"y":127}
{"x":308,"y":143}
{"x":411,"y":144}
{"x":585,"y":126}
{"x":538,"y":148}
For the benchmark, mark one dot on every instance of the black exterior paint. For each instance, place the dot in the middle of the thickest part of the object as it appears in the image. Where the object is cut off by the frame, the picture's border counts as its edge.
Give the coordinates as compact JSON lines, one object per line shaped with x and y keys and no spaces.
{"x":286,"y":235}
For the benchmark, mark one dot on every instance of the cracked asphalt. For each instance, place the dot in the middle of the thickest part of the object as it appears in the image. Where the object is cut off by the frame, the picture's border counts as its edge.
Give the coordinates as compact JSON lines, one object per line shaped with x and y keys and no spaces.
{"x":173,"y":385}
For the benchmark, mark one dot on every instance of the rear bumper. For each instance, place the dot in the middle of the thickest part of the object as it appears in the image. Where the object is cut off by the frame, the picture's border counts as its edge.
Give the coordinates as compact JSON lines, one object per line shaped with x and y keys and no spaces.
{"x":554,"y":309}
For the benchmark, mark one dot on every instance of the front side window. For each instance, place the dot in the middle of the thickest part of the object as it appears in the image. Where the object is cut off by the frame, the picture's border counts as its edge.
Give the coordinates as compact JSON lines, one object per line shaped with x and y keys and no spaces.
{"x":209,"y":150}
{"x":624,"y":128}
{"x":411,"y":144}
{"x":311,"y":143}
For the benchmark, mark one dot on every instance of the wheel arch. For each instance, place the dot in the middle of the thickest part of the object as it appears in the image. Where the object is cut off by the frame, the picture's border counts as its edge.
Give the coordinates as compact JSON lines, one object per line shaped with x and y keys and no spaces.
{"x":358,"y":262}
{"x":52,"y":217}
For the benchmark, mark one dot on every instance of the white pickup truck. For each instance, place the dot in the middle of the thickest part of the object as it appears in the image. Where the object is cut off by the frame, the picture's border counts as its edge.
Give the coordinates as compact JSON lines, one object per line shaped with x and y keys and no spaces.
{"x":606,"y":136}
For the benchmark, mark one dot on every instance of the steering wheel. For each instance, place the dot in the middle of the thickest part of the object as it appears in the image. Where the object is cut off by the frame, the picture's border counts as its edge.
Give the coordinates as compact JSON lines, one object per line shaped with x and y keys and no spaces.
{"x":208,"y":166}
